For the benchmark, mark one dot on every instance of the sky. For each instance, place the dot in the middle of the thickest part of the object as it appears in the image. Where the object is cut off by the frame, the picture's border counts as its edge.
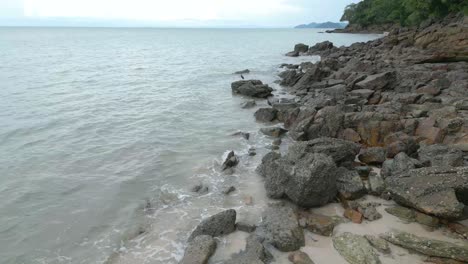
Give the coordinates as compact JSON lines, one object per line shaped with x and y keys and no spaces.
{"x":183,"y":13}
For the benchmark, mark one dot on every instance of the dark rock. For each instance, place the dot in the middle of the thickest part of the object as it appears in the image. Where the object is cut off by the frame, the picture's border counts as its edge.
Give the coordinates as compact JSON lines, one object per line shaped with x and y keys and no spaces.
{"x":308,"y":180}
{"x":281,"y":229}
{"x":266,"y":114}
{"x":200,"y":188}
{"x":355,"y":249}
{"x":399,"y":164}
{"x":438,"y":191}
{"x":349,"y":184}
{"x":243,"y":71}
{"x":230,"y":161}
{"x":273,"y":131}
{"x":252,"y":152}
{"x":341,"y":151}
{"x":440,"y":155}
{"x":426,"y":246}
{"x":277,"y":142}
{"x":229,"y":190}
{"x":301,"y":48}
{"x":199,"y":250}
{"x":290,"y":77}
{"x":373,"y":156}
{"x":252,"y":88}
{"x":300,"y":257}
{"x":321,"y":46}
{"x":217,"y":225}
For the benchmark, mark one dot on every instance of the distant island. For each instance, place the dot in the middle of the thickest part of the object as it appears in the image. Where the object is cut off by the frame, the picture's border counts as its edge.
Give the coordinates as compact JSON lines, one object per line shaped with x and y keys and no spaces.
{"x":323,"y":25}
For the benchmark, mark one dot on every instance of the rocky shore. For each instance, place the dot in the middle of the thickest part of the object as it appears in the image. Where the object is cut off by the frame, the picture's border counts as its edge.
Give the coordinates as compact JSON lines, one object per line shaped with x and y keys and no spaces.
{"x":386,"y":119}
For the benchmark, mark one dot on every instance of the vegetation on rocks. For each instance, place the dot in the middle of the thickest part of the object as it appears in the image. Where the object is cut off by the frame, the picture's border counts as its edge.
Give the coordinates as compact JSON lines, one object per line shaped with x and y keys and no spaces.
{"x":403,"y":12}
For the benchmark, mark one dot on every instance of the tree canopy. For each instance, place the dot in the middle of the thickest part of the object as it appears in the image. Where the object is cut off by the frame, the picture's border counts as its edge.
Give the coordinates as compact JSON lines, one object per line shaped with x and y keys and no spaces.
{"x":404,"y":12}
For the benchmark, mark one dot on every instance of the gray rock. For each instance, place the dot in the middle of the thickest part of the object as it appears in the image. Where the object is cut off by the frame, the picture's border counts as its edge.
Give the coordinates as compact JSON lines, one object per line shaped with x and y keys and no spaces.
{"x":440,"y":155}
{"x":355,"y":249}
{"x":399,"y":164}
{"x":273,"y":131}
{"x":254,"y":253}
{"x":321,"y":46}
{"x":367,"y":209}
{"x":245,"y":135}
{"x":300,"y":257}
{"x":377,"y":81}
{"x":231,"y":161}
{"x":217,"y":225}
{"x":252,"y":88}
{"x":426,"y":246}
{"x":248,"y":104}
{"x":373,"y":156}
{"x":301,"y":48}
{"x":349,"y":184}
{"x":341,"y":151}
{"x":308,"y":180}
{"x":281,"y":229}
{"x":379,"y":244}
{"x":277,"y":142}
{"x":290,"y":77}
{"x":252,"y":152}
{"x":438,"y":191}
{"x":266,"y":114}
{"x":376,"y":184}
{"x":199,"y":250}
{"x":403,"y":213}
{"x":246,"y":227}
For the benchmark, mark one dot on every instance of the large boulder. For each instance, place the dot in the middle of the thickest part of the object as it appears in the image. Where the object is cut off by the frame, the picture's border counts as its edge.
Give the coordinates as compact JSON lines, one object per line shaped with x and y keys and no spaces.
{"x":321,"y":46}
{"x":290,"y":77}
{"x":308,"y":180}
{"x":349,"y":184}
{"x":440,"y":155}
{"x":379,"y":81}
{"x":373,"y":156}
{"x":341,"y":151}
{"x":280,"y":228}
{"x":400,"y":163}
{"x":217,"y":225}
{"x":199,"y":250}
{"x":426,"y":246}
{"x":252,"y":88}
{"x":438,"y":191}
{"x":230,"y":161}
{"x":266,"y":114}
{"x":355,"y":249}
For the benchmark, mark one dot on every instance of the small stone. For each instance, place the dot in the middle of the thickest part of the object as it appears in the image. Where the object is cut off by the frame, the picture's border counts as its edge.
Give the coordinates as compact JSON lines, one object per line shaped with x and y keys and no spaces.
{"x":200,"y":188}
{"x":355,"y":249}
{"x":228,"y":190}
{"x":231,"y":161}
{"x":374,"y":156}
{"x":248,"y":200}
{"x":252,"y":152}
{"x":300,"y":257}
{"x":402,"y":213}
{"x":426,"y":220}
{"x":353,"y":215}
{"x":376,"y":184}
{"x":245,"y":135}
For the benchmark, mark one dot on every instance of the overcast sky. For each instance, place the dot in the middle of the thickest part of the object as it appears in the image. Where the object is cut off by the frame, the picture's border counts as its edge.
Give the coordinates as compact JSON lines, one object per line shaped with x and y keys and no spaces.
{"x":263,"y":13}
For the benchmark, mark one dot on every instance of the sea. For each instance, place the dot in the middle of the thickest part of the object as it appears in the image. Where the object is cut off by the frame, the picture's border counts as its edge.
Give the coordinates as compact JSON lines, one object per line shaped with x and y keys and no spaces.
{"x":105,"y":131}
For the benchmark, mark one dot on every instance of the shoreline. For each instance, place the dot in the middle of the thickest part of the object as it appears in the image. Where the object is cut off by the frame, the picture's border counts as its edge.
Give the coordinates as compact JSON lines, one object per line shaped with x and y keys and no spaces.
{"x":365,"y":114}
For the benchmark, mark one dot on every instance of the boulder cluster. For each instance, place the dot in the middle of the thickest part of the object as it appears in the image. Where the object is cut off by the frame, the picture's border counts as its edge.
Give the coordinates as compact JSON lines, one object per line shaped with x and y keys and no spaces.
{"x":387,"y":118}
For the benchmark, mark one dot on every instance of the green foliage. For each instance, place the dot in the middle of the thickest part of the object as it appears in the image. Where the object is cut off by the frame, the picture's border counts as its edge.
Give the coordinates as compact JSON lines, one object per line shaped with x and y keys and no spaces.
{"x":404,"y":12}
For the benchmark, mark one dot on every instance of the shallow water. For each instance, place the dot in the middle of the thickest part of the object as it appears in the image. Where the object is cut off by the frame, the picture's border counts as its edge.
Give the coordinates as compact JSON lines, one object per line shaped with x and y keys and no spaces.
{"x":104,"y":131}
